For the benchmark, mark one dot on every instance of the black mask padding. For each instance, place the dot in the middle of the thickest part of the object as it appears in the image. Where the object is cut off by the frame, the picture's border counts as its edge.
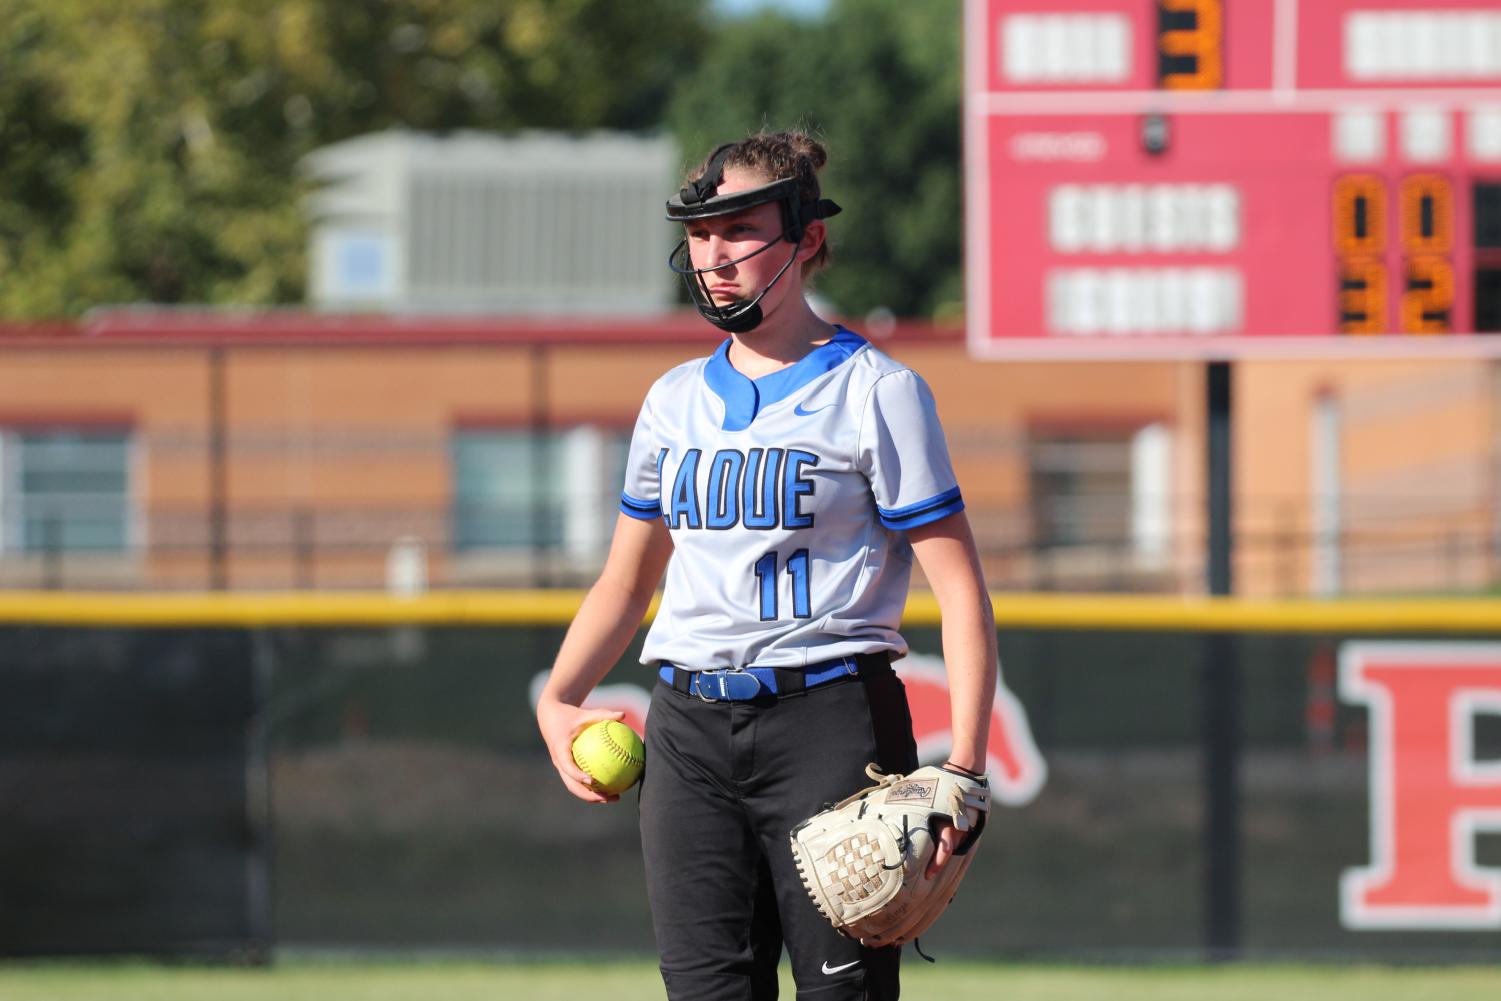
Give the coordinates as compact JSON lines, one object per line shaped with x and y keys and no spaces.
{"x":795,"y":215}
{"x":741,"y":322}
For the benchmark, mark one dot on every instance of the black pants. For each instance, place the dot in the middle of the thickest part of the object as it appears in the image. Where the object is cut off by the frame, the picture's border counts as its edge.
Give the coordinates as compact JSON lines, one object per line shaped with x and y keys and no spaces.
{"x":725,"y":783}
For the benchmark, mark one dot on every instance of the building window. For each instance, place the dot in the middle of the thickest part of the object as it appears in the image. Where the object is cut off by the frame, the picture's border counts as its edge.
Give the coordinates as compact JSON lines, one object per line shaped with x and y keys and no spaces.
{"x":64,"y":490}
{"x":1080,"y":486}
{"x":516,"y":489}
{"x":1107,"y":487}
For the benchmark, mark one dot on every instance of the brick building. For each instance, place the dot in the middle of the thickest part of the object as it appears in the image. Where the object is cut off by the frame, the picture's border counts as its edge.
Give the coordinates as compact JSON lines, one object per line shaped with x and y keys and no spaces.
{"x":179,"y":450}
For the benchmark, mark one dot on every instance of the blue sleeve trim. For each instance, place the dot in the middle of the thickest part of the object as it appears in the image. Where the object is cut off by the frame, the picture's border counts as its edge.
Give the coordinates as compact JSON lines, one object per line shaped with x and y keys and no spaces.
{"x":918,"y":520}
{"x":920,"y":506}
{"x":642,"y":510}
{"x":947,"y":503}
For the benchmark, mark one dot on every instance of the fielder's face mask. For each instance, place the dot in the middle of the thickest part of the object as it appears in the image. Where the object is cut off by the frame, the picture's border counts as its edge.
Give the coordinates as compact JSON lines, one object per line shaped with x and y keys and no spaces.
{"x":699,"y":201}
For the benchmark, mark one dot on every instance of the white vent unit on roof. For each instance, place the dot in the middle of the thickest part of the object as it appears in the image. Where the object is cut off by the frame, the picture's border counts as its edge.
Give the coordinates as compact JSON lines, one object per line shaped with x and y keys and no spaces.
{"x":536,"y":223}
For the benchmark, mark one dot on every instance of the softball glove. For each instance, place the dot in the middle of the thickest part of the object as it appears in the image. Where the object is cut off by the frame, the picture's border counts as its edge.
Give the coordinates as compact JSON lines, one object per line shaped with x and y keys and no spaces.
{"x":863,"y":860}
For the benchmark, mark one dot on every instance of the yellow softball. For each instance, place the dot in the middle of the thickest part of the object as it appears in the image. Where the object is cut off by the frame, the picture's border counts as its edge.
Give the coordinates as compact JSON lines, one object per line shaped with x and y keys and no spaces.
{"x":612,"y":755}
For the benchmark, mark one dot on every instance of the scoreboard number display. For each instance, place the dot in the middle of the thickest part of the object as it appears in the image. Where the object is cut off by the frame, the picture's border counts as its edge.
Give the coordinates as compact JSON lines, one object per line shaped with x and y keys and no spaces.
{"x":1218,"y":178}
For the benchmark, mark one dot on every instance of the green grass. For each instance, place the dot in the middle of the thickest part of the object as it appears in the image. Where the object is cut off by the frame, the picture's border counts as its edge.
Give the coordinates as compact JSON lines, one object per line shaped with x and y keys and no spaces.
{"x":637,"y":981}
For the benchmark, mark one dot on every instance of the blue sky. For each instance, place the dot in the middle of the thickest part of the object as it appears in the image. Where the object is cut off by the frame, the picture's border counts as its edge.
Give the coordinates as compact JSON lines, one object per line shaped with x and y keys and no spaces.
{"x":803,"y":7}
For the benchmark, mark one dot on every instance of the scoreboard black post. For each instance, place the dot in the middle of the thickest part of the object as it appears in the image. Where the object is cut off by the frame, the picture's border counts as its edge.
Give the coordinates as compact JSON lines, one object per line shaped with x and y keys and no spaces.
{"x":1219,"y":685}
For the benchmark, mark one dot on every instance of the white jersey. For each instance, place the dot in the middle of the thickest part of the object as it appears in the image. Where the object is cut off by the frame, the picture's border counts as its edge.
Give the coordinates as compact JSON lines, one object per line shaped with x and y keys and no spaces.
{"x":788,"y":498}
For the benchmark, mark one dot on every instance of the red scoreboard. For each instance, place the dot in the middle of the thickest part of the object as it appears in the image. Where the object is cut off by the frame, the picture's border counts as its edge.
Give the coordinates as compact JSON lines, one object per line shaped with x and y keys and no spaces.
{"x":1216,"y":178}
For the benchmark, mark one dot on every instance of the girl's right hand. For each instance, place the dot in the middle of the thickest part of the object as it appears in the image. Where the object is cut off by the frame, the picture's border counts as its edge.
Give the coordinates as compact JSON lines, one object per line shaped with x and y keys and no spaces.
{"x":560,"y":723}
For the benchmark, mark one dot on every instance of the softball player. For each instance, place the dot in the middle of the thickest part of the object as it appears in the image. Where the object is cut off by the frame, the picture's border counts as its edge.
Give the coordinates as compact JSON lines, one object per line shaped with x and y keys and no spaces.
{"x":784,"y":485}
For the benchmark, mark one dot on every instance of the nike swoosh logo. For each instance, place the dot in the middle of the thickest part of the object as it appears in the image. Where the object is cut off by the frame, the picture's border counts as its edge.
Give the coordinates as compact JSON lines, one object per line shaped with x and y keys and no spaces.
{"x":827,"y":969}
{"x":809,"y":413}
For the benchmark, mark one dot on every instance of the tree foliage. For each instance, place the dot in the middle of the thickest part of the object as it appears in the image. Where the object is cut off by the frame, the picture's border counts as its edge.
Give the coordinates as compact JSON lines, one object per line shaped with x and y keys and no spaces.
{"x":879,"y":82}
{"x":148,"y":150}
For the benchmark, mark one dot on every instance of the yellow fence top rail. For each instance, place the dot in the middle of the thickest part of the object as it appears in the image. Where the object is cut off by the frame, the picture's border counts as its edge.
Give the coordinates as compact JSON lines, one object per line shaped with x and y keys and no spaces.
{"x":556,"y":608}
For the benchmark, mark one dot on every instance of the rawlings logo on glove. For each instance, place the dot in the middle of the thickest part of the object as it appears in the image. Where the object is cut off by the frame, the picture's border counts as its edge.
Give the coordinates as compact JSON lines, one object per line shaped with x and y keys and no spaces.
{"x":863,"y":860}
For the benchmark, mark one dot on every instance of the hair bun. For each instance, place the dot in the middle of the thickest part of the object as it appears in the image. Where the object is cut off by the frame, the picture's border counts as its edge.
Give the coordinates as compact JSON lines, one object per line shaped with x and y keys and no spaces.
{"x":804,"y":145}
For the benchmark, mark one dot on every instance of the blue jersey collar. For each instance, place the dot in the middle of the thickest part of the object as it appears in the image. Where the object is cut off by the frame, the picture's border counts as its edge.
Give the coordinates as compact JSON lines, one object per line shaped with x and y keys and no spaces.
{"x":744,"y":397}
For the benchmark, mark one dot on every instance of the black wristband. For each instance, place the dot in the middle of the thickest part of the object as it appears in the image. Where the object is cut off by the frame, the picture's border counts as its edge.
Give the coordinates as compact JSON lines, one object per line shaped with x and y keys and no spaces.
{"x":961,"y":770}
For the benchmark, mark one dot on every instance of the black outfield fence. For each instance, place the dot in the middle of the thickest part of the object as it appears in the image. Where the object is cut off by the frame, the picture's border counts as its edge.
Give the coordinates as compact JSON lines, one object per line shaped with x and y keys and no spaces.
{"x":222,"y":776}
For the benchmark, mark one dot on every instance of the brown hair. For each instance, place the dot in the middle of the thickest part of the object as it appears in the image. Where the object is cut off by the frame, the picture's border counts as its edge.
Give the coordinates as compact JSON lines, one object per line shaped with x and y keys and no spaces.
{"x":777,"y":155}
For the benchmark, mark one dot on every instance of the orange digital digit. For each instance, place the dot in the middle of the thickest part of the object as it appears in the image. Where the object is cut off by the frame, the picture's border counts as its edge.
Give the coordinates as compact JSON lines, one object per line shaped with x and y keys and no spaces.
{"x":1427,"y":215}
{"x":1429,"y":296}
{"x":1191,"y":58}
{"x":1362,"y":297}
{"x":1359,"y":215}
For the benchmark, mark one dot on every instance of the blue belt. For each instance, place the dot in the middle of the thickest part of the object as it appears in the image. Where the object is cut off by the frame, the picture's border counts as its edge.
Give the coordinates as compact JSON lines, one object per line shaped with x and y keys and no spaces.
{"x":743,"y":684}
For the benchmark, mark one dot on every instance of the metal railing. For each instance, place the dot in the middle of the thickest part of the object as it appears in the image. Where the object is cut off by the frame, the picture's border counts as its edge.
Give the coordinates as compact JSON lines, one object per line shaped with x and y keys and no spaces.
{"x":352,"y":547}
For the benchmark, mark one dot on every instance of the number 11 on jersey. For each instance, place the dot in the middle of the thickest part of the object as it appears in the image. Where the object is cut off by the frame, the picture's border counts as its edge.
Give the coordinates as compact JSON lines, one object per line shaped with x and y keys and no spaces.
{"x":766,"y":581}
